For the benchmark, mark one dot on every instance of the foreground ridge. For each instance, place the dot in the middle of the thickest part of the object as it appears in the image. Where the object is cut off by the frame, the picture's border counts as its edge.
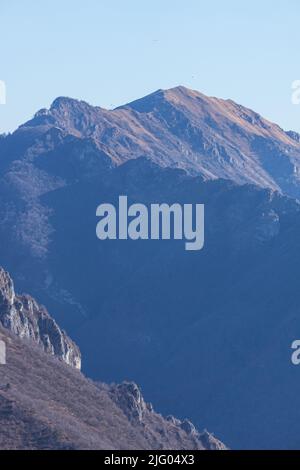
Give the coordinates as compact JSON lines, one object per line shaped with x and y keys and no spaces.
{"x":46,"y":404}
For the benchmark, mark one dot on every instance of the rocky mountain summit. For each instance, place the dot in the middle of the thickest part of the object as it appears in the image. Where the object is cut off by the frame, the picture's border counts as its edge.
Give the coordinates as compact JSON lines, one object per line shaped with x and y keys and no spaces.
{"x":23,"y":316}
{"x":178,"y":127}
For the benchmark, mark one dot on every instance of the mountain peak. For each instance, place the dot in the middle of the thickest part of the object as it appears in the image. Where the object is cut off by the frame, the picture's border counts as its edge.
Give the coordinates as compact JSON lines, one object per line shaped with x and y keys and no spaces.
{"x":63,"y":101}
{"x":186,"y":129}
{"x":182,"y":91}
{"x":149,"y":102}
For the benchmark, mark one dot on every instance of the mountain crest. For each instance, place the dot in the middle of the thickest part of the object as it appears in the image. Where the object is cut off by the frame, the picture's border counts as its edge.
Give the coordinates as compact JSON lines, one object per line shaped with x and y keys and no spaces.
{"x":183,"y":128}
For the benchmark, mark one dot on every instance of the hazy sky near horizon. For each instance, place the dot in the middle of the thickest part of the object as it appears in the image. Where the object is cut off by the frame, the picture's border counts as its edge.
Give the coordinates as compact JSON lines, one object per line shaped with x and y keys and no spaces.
{"x":109,"y":52}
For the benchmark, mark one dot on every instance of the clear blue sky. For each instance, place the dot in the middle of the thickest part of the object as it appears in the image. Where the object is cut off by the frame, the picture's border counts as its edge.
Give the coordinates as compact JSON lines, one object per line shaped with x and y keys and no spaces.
{"x":109,"y":52}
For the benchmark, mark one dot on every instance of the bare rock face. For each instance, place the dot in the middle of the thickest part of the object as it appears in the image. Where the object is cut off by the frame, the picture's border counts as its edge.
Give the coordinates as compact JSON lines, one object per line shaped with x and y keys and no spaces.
{"x":129,"y":397}
{"x":7,"y":293}
{"x":24,"y":317}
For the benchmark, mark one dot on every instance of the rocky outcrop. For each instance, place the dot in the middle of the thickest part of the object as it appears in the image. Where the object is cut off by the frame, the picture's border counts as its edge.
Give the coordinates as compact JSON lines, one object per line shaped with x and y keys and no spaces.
{"x":294,"y":135}
{"x":128,"y":397}
{"x":24,"y":317}
{"x":210,"y":442}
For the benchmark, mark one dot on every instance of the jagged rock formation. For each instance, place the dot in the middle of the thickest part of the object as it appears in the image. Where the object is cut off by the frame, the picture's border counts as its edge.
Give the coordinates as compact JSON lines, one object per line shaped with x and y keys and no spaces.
{"x":129,"y":398}
{"x":23,"y":316}
{"x":45,"y":404}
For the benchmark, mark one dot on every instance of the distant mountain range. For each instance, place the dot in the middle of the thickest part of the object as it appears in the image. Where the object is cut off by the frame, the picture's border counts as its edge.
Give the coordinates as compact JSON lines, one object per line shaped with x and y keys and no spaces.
{"x":207,"y":335}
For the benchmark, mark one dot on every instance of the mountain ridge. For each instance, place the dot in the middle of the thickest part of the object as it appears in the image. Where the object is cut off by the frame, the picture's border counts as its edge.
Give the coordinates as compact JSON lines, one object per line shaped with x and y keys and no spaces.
{"x":186,"y":129}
